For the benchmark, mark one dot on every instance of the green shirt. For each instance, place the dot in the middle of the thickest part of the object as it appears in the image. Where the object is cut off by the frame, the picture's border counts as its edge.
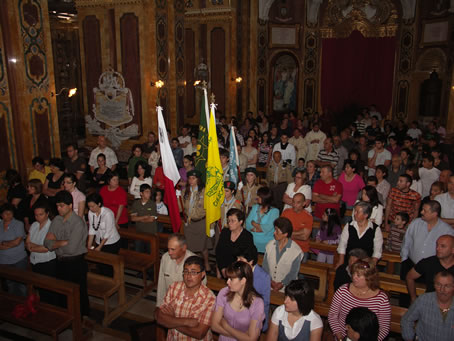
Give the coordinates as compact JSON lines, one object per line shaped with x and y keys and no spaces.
{"x":132,"y":165}
{"x":147,"y":209}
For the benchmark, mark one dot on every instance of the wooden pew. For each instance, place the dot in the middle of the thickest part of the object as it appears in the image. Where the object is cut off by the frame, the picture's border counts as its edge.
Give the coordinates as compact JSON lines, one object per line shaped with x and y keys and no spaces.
{"x":104,"y":287}
{"x":49,"y":319}
{"x":142,"y":262}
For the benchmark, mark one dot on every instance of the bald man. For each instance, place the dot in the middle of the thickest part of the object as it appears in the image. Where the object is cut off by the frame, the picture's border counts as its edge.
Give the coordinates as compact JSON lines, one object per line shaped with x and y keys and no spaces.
{"x":429,"y":267}
{"x":102,"y":148}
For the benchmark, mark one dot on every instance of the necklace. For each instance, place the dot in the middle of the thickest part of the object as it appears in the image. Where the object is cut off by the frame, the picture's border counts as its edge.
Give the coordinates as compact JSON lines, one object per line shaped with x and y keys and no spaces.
{"x":93,"y":223}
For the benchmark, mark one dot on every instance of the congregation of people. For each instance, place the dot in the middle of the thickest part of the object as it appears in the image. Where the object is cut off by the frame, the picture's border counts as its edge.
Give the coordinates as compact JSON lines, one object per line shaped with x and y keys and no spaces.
{"x":375,"y":186}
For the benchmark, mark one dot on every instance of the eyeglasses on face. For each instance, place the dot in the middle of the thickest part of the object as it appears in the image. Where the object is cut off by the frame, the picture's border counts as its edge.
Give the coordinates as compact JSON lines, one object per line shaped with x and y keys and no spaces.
{"x":443,"y":286}
{"x":191,"y":273}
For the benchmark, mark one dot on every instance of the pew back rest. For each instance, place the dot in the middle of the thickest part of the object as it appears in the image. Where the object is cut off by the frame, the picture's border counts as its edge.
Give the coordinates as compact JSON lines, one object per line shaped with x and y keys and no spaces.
{"x":49,"y":319}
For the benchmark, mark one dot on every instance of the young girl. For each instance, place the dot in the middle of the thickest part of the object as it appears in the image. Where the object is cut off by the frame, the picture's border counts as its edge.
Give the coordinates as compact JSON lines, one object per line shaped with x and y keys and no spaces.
{"x":161,"y":208}
{"x":329,"y":233}
{"x":397,"y":232}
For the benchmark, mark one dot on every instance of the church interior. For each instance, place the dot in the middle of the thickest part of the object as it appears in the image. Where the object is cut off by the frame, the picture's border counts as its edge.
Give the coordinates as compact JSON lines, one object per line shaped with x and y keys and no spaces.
{"x":71,"y":70}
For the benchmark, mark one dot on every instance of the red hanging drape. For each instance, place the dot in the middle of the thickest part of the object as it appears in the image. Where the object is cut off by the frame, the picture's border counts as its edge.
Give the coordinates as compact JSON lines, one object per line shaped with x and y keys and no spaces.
{"x":357,"y":70}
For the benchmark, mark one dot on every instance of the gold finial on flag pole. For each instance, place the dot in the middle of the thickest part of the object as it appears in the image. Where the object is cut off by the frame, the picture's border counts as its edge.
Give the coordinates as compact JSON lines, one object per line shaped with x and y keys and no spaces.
{"x":212,"y":97}
{"x":204,"y":84}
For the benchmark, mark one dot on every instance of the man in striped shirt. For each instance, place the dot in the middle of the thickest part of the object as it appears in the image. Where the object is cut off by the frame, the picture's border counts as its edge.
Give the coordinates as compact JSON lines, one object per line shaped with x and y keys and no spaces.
{"x":328,"y":156}
{"x":402,"y":199}
{"x":188,"y":305}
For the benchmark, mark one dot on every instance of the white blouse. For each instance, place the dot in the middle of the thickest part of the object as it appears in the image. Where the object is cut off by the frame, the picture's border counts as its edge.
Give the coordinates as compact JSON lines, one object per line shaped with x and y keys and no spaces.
{"x":103,"y":226}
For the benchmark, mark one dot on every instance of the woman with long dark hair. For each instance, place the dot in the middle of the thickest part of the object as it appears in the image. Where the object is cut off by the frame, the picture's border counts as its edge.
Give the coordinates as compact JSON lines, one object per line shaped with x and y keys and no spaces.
{"x":239,"y":311}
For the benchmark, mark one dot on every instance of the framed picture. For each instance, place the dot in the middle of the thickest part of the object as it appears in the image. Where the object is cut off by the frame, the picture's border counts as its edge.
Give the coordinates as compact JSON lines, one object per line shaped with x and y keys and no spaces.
{"x":284,"y":36}
{"x":435,"y":32}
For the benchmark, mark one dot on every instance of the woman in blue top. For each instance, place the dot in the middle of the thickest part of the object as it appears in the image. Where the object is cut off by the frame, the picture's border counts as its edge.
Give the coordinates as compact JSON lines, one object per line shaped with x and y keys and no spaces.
{"x":261,"y":218}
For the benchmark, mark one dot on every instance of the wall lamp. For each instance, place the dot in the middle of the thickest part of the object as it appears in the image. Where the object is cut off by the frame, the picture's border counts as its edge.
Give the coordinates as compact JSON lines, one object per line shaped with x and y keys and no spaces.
{"x":71,"y":92}
{"x":159,"y":84}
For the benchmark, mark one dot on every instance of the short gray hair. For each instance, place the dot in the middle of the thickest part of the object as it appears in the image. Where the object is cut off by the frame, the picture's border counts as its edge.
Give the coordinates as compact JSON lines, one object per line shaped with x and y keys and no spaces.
{"x":181,"y":239}
{"x":365,"y":207}
{"x":358,"y":253}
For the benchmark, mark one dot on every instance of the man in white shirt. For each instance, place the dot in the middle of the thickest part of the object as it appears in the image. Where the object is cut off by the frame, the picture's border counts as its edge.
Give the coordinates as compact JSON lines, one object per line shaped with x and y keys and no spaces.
{"x":314,"y":142}
{"x":428,"y":174}
{"x":373,"y":112}
{"x":446,"y":201}
{"x":185,"y":140}
{"x":297,"y":140}
{"x":111,"y":158}
{"x":287,"y":150}
{"x":378,"y":155}
{"x":172,"y":263}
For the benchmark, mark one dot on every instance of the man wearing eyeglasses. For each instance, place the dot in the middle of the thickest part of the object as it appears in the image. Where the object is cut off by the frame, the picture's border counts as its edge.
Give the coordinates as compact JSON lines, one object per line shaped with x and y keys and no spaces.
{"x":188,"y":305}
{"x":433,"y":311}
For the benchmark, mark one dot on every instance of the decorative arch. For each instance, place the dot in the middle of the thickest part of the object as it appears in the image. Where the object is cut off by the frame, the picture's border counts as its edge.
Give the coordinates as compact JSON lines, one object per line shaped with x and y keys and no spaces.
{"x":284,"y":79}
{"x":432,"y":59}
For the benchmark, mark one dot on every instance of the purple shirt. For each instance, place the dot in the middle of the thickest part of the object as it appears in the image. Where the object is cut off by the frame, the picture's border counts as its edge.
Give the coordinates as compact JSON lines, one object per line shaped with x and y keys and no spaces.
{"x":240,"y":320}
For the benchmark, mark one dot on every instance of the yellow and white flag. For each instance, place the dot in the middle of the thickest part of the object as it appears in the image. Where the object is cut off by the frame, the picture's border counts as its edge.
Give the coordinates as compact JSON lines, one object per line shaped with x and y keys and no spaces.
{"x":214,"y":189}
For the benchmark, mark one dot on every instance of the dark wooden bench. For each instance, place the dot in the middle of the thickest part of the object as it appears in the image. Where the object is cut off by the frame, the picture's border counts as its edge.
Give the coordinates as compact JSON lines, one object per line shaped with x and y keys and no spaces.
{"x":104,"y":287}
{"x":142,"y":262}
{"x":49,"y":319}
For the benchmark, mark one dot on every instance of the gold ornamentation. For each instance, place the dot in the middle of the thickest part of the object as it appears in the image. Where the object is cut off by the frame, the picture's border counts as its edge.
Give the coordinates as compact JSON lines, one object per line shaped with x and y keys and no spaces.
{"x":373,"y":18}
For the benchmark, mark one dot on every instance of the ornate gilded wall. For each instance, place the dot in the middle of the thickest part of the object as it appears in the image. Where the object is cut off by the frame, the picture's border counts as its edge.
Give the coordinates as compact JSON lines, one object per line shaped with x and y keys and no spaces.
{"x":28,"y":118}
{"x":144,"y":41}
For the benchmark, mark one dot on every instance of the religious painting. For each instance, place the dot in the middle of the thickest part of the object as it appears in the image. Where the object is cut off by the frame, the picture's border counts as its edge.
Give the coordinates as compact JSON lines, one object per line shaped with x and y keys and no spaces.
{"x":285,"y":81}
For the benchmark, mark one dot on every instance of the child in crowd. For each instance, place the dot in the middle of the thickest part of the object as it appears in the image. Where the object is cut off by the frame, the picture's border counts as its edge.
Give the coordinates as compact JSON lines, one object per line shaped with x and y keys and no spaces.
{"x":143,"y":213}
{"x":329,"y":233}
{"x":299,"y":166}
{"x":397,"y":232}
{"x":161,"y":208}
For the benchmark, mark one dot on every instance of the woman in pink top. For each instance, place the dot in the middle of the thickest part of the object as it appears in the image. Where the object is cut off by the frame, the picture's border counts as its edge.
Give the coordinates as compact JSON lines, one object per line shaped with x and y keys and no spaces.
{"x":351,"y":182}
{"x":69,"y":184}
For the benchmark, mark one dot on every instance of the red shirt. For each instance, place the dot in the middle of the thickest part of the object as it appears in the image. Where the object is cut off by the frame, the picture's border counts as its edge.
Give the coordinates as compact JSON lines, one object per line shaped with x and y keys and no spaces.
{"x":301,"y":220}
{"x":332,"y":188}
{"x":113,"y":199}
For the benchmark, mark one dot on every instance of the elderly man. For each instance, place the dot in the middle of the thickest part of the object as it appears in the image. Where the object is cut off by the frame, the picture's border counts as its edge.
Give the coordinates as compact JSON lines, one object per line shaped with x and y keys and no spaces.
{"x":327,"y":192}
{"x":287,"y":150}
{"x":188,"y":305}
{"x":446,"y":201}
{"x":433,"y":311}
{"x":429,"y":267}
{"x":421,"y":236}
{"x":111,"y":158}
{"x":171,"y":268}
{"x":301,"y":221}
{"x":328,"y":156}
